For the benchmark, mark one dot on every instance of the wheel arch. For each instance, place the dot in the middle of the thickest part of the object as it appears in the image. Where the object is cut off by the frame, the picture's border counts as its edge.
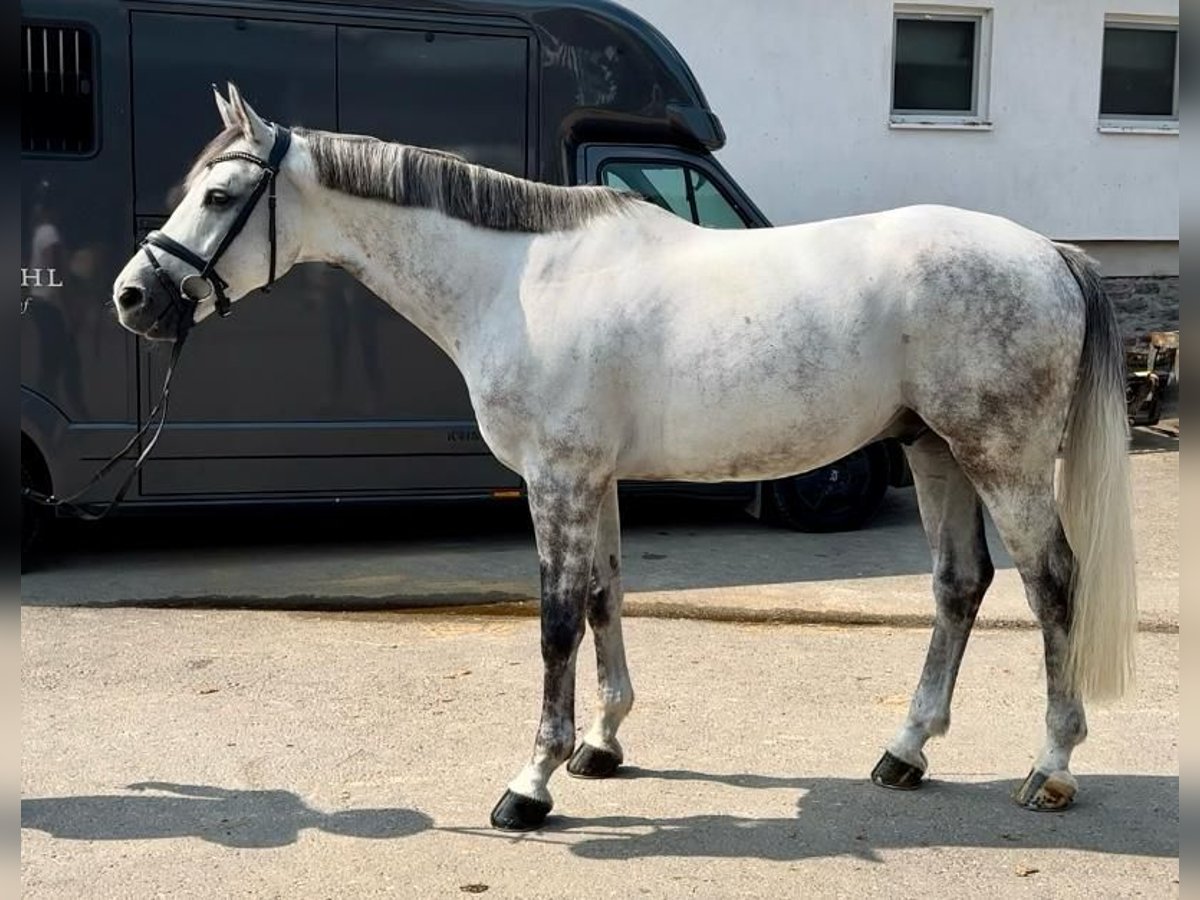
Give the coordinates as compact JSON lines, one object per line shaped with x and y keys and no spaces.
{"x":33,"y":459}
{"x":43,"y":429}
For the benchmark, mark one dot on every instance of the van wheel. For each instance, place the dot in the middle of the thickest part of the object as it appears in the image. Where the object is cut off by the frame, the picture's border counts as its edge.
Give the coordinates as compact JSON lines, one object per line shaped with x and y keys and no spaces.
{"x":33,"y":519}
{"x":841,"y":496}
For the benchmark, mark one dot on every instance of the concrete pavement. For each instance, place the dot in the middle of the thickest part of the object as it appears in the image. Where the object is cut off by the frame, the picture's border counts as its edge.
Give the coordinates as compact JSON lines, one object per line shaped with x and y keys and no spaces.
{"x":222,"y":753}
{"x":690,"y":562}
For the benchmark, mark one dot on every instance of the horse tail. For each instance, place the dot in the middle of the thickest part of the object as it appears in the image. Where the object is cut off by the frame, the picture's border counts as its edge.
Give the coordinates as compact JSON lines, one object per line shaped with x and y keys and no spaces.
{"x":1095,"y":501}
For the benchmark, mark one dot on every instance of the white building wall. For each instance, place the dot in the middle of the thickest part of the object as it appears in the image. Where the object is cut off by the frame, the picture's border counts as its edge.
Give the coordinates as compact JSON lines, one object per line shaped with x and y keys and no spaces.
{"x":803,"y":89}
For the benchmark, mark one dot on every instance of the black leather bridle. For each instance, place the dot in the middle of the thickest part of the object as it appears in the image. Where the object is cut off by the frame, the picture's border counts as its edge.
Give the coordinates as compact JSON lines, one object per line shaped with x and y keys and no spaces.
{"x":185,"y":304}
{"x":206,"y":269}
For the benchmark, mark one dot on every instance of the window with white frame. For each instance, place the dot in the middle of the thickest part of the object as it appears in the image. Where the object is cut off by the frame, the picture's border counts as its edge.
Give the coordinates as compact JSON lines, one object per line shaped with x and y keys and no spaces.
{"x":940,"y":59}
{"x":1139,"y":80}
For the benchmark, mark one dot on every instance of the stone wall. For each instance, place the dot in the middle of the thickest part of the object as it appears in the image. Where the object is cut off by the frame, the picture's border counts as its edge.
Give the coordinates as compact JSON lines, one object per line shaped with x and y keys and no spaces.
{"x":1145,"y":303}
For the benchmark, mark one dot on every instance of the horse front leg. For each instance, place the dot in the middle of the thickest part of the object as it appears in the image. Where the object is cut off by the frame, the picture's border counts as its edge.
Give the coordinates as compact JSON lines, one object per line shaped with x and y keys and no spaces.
{"x":565,"y":513}
{"x":599,"y":753}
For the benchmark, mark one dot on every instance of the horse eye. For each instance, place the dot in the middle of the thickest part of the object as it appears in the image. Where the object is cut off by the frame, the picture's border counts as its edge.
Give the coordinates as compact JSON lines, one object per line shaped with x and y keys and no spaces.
{"x":216,"y":198}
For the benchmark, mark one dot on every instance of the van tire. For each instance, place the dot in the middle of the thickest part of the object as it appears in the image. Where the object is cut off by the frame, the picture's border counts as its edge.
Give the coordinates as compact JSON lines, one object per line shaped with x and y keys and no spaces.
{"x":842,"y":496}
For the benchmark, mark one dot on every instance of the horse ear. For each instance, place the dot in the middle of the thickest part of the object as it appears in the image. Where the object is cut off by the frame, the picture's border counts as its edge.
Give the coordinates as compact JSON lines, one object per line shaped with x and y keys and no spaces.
{"x":254,"y":129}
{"x":224,"y":108}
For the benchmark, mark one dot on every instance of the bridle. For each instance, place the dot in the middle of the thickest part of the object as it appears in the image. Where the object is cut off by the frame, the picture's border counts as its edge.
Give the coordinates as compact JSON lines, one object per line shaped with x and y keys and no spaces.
{"x":206,"y":269}
{"x":185,"y":304}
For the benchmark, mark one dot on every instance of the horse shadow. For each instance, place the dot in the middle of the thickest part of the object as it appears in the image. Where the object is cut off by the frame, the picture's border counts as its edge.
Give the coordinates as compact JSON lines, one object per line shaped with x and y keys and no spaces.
{"x":233,"y":818}
{"x":1152,"y":439}
{"x":1134,"y":815}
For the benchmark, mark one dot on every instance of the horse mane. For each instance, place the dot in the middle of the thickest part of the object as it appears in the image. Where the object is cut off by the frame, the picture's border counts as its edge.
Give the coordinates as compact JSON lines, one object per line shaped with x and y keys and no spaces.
{"x":434,"y":179}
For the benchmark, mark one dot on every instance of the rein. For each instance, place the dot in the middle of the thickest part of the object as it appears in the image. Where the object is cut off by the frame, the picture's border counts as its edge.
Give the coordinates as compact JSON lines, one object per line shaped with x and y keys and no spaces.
{"x":184,"y":303}
{"x":90,"y":515}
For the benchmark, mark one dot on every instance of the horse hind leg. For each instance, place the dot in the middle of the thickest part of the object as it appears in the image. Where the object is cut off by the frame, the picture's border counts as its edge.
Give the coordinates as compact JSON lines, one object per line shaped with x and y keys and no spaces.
{"x":1027,"y":517}
{"x":599,"y":754}
{"x":962,"y":571}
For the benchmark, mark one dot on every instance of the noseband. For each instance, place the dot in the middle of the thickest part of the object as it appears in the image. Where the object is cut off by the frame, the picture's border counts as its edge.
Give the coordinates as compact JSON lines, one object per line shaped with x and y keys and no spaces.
{"x":206,"y":269}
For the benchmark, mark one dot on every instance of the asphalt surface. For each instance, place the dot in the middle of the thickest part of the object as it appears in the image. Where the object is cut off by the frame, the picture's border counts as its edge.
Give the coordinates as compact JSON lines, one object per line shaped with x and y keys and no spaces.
{"x":202,"y":753}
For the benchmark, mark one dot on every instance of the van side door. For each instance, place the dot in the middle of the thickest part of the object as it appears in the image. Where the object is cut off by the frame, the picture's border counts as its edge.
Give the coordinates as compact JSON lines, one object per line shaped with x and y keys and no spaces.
{"x":317,"y":389}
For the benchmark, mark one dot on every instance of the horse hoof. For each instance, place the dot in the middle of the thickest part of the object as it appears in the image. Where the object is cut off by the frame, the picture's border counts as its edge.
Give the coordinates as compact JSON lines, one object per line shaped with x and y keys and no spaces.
{"x":1047,"y":792}
{"x":593,"y":762}
{"x":895,"y":774}
{"x":517,"y":813}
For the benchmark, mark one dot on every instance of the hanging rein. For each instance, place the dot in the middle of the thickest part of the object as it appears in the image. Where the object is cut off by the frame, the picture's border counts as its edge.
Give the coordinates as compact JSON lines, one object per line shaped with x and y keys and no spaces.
{"x":184,"y":300}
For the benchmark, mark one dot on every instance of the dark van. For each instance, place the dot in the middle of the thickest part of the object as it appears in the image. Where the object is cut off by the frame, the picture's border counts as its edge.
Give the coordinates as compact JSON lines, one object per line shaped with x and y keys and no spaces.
{"x":340,"y":399}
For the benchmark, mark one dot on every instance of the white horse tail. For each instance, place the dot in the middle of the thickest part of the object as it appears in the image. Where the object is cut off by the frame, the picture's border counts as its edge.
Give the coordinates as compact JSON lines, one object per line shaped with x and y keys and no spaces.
{"x":1095,"y":502}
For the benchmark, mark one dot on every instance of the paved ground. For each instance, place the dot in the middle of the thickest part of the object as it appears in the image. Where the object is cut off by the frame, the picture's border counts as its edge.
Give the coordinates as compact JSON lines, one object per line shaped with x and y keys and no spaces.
{"x":228,"y":753}
{"x":680,"y":560}
{"x":212,"y":751}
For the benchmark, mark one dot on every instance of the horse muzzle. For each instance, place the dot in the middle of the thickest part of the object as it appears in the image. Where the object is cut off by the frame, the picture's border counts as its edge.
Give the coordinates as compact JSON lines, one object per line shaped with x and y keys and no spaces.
{"x":150,"y":311}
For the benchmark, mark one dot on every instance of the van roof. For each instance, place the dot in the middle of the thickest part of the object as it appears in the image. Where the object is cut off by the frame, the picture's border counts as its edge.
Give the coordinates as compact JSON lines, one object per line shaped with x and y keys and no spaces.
{"x":606,"y":71}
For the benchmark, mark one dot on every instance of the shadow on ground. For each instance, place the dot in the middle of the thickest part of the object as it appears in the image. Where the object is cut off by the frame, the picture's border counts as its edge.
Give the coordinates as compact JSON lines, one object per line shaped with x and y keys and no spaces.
{"x":473,"y":552}
{"x":247,"y":819}
{"x":1120,"y":814}
{"x":1154,"y":439}
{"x":670,"y":543}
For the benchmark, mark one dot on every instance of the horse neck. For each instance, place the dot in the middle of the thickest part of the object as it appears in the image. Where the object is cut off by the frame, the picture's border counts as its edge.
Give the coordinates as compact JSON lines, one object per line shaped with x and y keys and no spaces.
{"x":438,"y":272}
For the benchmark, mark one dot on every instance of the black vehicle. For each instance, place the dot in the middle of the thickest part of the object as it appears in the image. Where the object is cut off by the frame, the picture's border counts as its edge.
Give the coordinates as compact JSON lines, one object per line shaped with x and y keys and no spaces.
{"x":348,"y":402}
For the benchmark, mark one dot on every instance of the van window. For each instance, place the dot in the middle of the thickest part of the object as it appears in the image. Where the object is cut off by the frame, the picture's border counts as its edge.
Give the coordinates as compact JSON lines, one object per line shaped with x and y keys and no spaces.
{"x":712,"y":208}
{"x":58,"y":108}
{"x":679,"y":189}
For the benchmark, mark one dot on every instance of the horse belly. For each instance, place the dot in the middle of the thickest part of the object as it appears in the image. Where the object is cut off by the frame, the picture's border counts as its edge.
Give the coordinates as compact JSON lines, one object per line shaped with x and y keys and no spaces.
{"x":759,"y":425}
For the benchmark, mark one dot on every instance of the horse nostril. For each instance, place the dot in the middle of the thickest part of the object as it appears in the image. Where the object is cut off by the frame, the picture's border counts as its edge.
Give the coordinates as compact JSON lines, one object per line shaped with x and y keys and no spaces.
{"x":130,"y":298}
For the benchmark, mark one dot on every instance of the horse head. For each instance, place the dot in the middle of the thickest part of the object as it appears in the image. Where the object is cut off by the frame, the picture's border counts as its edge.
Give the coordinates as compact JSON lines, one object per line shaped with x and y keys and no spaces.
{"x":220,"y":243}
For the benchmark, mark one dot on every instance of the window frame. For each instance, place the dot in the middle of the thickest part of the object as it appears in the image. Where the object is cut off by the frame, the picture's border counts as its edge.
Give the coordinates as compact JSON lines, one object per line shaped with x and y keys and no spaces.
{"x":1127,"y":123}
{"x":977,"y":118}
{"x":97,"y":125}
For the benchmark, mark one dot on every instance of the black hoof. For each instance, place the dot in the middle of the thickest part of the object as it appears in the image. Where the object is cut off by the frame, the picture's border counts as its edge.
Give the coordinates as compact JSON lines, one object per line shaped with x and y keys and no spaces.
{"x":894,"y":773}
{"x":517,"y":813}
{"x":593,"y":762}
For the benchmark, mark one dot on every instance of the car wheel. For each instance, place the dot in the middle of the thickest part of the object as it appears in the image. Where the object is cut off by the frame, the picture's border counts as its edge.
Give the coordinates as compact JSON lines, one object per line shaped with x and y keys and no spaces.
{"x":841,"y":496}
